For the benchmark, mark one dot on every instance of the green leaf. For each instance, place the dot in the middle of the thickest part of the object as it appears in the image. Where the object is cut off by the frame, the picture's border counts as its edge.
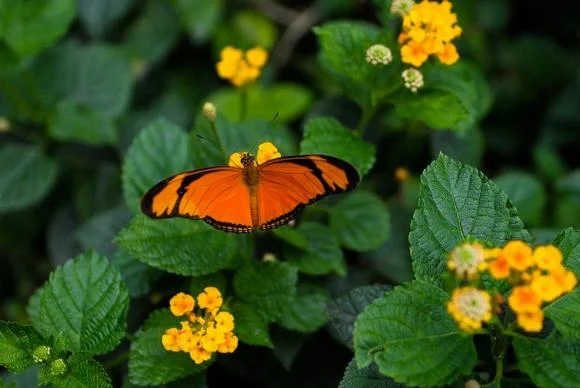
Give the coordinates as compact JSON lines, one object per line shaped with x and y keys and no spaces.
{"x":245,"y":29}
{"x":98,"y":17}
{"x":411,"y":323}
{"x":454,"y":97}
{"x":150,"y":363}
{"x":155,"y":31}
{"x":180,"y":246}
{"x":159,"y":151}
{"x":136,"y":275}
{"x":361,"y":221}
{"x":250,"y":325}
{"x":568,"y":241}
{"x":343,"y":54}
{"x":82,"y":372}
{"x":550,"y":362}
{"x":527,"y":194}
{"x":18,"y":343}
{"x":368,"y":377}
{"x":236,"y":136}
{"x":457,"y":202}
{"x":344,"y":310}
{"x":307,"y":312}
{"x":564,"y":313}
{"x":200,"y":17}
{"x":199,"y":283}
{"x":287,"y":100}
{"x":27,"y":176}
{"x":71,"y":121}
{"x":30,"y":26}
{"x":326,"y":135}
{"x":291,"y":236}
{"x":323,"y":254}
{"x":267,"y":287}
{"x":85,"y":303}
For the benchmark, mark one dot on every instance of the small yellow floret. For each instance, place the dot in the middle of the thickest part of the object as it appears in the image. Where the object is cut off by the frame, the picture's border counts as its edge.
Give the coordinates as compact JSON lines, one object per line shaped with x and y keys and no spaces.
{"x":181,"y":304}
{"x":211,"y":299}
{"x":267,"y":151}
{"x":518,"y":254}
{"x":524,"y":299}
{"x":257,"y":57}
{"x":230,"y":344}
{"x":547,"y":257}
{"x":531,"y":321}
{"x":169,"y":340}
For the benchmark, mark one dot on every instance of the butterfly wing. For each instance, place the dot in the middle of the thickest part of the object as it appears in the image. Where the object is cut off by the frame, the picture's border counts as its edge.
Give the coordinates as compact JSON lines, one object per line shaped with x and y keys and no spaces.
{"x":288,"y":184}
{"x":216,"y":195}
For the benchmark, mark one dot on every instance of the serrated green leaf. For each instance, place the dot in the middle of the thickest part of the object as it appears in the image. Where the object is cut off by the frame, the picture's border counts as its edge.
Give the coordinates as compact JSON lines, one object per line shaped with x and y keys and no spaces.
{"x":98,"y":17}
{"x":307,"y":312}
{"x":568,"y":241}
{"x":368,"y":377}
{"x":30,"y":26}
{"x":267,"y":287}
{"x":136,"y":275}
{"x":456,"y":202}
{"x":551,"y":362}
{"x":411,"y":323}
{"x":323,"y":254}
{"x":564,"y":313}
{"x":326,"y":135}
{"x":199,"y":283}
{"x":150,"y":363}
{"x":200,"y":17}
{"x":27,"y":176}
{"x":159,"y":151}
{"x":361,"y":221}
{"x":287,"y":100}
{"x":343,"y":54}
{"x":236,"y":136}
{"x":453,"y":98}
{"x":82,"y":372}
{"x":250,"y":326}
{"x":33,"y":310}
{"x":85,"y":303}
{"x":154,"y":32}
{"x":18,"y":342}
{"x":180,"y":246}
{"x":526,"y":193}
{"x":74,"y":122}
{"x":344,"y":310}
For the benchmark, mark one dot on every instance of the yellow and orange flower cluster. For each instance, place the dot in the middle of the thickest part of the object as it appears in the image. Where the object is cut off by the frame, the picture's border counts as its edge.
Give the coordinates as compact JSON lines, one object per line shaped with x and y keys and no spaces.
{"x":204,"y":333}
{"x":241,"y":68}
{"x":428,"y":29}
{"x":537,"y":275}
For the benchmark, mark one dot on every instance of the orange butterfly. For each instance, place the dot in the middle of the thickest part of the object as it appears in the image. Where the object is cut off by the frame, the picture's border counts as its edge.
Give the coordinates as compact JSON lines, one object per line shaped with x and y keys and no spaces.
{"x":250,"y":194}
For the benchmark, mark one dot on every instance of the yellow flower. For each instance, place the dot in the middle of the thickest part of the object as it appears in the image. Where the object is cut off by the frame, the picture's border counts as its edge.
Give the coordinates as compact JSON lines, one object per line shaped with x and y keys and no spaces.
{"x":230,"y":344}
{"x":414,"y":53}
{"x":524,"y":299}
{"x":547,"y":257}
{"x":470,"y":307}
{"x":169,"y":340}
{"x":546,"y":287}
{"x":181,"y":304}
{"x":210,"y":298}
{"x":267,"y":151}
{"x":465,"y":259}
{"x":257,"y":57}
{"x":531,"y":321}
{"x":198,"y":354}
{"x":224,"y":321}
{"x":448,"y":55}
{"x":231,"y":54}
{"x":518,"y":254}
{"x":565,"y":279}
{"x":212,"y":339}
{"x":187,"y":340}
{"x":499,"y":268}
{"x":428,"y":29}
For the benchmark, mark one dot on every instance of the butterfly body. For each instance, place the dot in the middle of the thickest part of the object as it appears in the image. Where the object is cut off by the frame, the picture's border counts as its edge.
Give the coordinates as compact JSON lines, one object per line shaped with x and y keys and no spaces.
{"x":248,"y":197}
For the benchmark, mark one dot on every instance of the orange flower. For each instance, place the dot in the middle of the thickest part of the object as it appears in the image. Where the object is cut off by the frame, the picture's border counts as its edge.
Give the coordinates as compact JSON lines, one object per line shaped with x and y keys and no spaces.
{"x":531,"y":321}
{"x":230,"y":344}
{"x":546,"y":287}
{"x":518,"y":254}
{"x":169,"y":340}
{"x":449,"y":54}
{"x":414,"y":53}
{"x":499,"y":268}
{"x":524,"y":299}
{"x":181,"y":304}
{"x":211,"y":299}
{"x":565,"y":279}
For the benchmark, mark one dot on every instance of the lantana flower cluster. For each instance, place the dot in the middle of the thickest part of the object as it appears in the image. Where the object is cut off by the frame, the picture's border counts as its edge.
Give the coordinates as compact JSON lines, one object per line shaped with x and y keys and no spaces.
{"x":537,"y":276}
{"x":428,"y":29}
{"x":239,"y":67}
{"x":206,"y":329}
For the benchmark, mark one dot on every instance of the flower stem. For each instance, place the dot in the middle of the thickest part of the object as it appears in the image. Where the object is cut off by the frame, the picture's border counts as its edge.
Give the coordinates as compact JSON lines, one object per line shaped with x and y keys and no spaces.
{"x":367,"y":115}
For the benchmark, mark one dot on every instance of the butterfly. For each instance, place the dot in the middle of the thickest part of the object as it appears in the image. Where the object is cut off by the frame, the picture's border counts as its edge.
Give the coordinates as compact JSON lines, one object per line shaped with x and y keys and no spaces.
{"x":250,"y":193}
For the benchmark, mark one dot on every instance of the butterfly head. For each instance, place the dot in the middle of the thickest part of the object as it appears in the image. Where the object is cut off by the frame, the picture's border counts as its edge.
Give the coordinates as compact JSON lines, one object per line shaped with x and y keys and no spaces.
{"x":248,"y":159}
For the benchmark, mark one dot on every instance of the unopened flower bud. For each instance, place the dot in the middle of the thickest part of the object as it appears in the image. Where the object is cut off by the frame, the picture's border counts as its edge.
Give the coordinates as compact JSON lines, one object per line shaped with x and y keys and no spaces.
{"x":41,"y":354}
{"x":209,"y":111}
{"x":379,"y":54}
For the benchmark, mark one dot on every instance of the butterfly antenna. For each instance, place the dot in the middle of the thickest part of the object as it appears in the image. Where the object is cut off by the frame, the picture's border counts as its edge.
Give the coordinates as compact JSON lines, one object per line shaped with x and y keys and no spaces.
{"x":215,"y":142}
{"x":260,"y":136}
